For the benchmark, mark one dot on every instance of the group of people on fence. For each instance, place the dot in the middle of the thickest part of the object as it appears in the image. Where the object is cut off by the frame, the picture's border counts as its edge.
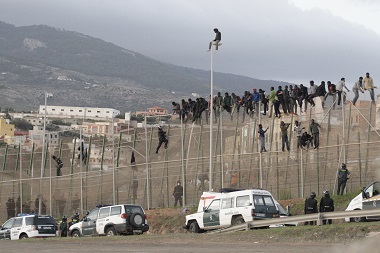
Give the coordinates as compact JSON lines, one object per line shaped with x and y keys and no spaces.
{"x":288,"y":99}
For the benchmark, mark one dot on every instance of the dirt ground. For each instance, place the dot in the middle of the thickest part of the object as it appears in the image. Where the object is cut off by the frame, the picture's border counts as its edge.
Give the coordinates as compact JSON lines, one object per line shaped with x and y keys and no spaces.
{"x":339,"y":238}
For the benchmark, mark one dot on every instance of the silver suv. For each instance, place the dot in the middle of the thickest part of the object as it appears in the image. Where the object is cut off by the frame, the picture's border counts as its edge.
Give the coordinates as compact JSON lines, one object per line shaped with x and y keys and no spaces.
{"x":111,"y":220}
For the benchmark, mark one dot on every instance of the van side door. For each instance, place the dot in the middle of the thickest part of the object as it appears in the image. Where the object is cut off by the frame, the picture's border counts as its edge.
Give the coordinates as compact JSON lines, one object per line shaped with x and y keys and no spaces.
{"x":102,"y":220}
{"x":226,"y":211}
{"x":211,"y":214}
{"x":89,"y":223}
{"x":16,"y":228}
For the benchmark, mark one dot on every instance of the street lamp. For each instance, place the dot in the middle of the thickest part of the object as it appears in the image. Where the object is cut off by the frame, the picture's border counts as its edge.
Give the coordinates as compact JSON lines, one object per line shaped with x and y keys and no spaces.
{"x":47,"y":95}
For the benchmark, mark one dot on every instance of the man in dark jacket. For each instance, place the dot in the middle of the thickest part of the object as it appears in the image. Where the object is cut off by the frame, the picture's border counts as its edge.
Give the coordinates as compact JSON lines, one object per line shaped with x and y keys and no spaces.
{"x":161,"y":139}
{"x":311,"y":206}
{"x":326,"y":205}
{"x":178,"y":193}
{"x":59,"y":165}
{"x":321,"y":93}
{"x":264,"y":101}
{"x":218,"y":38}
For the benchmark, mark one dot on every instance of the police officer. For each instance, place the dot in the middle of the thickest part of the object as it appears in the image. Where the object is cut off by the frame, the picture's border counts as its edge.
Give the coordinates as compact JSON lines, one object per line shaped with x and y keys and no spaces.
{"x":343,"y":176}
{"x":63,"y":226}
{"x":311,"y":206}
{"x":178,"y":193}
{"x":326,"y":205}
{"x":161,"y":139}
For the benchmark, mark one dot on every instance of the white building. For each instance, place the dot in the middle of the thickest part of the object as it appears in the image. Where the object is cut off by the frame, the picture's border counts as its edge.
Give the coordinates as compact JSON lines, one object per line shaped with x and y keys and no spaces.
{"x":86,"y":112}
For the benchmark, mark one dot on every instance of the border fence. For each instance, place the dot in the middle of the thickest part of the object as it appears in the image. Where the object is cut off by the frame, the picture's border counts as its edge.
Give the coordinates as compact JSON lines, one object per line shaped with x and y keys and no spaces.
{"x":124,"y":168}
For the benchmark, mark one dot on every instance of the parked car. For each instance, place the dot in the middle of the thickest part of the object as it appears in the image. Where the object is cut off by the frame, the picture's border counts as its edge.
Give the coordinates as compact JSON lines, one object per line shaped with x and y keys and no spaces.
{"x":111,"y":220}
{"x":28,"y":225}
{"x":231,"y":207}
{"x":369,"y":198}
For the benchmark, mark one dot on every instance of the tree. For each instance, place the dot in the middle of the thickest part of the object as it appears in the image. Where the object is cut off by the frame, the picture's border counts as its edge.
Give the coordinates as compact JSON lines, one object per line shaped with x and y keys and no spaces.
{"x":22,"y":124}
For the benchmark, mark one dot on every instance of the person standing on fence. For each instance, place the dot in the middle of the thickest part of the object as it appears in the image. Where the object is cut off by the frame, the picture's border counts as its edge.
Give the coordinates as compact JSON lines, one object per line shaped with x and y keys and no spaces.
{"x":358,"y":86}
{"x":343,"y":175}
{"x":311,"y":206}
{"x":298,"y":130}
{"x":369,"y":85}
{"x":178,"y":193}
{"x":326,"y":205}
{"x":161,"y":139}
{"x":262,"y":138}
{"x":284,"y":135}
{"x":59,"y":165}
{"x":314,"y":130}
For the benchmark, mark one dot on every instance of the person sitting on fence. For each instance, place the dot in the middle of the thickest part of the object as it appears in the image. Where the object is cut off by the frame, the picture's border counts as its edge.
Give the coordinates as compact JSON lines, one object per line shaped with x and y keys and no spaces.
{"x":306,"y":140}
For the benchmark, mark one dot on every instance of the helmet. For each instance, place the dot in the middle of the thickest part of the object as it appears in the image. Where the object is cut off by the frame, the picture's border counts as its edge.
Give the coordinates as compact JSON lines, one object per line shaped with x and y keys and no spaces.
{"x":312,"y":195}
{"x":326,"y":193}
{"x":64,"y":218}
{"x":343,"y":166}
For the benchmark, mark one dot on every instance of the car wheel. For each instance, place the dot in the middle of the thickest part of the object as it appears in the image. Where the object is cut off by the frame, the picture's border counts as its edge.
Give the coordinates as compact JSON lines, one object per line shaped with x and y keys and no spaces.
{"x":111,"y":231}
{"x":136,"y":220}
{"x":194,"y":228}
{"x":75,"y":233}
{"x":23,"y":236}
{"x":237,"y":221}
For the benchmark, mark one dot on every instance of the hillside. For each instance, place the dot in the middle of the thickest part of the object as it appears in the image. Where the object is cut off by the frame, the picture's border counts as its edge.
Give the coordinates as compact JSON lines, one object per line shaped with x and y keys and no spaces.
{"x":86,"y":71}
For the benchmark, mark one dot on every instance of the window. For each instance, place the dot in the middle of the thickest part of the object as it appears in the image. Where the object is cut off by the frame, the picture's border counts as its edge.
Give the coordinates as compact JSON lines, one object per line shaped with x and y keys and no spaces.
{"x":62,"y":110}
{"x":268,"y":201}
{"x":89,"y":110}
{"x":258,"y":200}
{"x":227,"y":203}
{"x":8,"y":224}
{"x":98,"y":111}
{"x":104,"y":212}
{"x":80,"y":110}
{"x":71,"y":110}
{"x":53,"y":109}
{"x":93,"y":214}
{"x":17,"y":223}
{"x":107,"y":112}
{"x":242,"y":201}
{"x":28,"y":221}
{"x":214,"y":205}
{"x":116,"y":210}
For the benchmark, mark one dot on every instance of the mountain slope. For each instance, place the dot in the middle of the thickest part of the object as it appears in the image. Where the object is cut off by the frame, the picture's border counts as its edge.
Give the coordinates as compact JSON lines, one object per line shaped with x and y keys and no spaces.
{"x":38,"y":58}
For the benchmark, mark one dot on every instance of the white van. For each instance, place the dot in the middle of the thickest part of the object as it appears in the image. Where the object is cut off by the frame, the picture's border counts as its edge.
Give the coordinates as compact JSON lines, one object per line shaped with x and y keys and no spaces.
{"x":369,"y":198}
{"x":231,"y":207}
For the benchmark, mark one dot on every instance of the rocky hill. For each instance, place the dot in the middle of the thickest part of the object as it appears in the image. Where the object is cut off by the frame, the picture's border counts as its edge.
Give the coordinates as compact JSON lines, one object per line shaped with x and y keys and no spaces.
{"x":85,"y":71}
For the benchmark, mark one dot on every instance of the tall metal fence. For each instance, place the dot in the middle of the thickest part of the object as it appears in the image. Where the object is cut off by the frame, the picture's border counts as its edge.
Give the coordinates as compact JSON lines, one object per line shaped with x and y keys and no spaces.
{"x":107,"y":175}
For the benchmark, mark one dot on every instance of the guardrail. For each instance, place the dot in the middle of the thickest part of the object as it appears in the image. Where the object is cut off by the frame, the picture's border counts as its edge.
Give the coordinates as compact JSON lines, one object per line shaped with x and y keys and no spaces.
{"x":301,"y":218}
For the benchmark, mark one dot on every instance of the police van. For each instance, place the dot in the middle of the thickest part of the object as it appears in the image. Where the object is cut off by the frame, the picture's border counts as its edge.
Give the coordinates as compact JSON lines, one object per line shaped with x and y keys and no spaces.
{"x":231,"y":207}
{"x":369,"y":198}
{"x":28,"y":225}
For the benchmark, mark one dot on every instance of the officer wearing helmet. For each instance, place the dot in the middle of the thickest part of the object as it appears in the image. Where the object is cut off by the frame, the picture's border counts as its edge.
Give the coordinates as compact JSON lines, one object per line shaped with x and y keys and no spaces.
{"x":178,"y":193}
{"x":311,"y":206}
{"x":343,"y":175}
{"x":63,"y":226}
{"x":326,"y":205}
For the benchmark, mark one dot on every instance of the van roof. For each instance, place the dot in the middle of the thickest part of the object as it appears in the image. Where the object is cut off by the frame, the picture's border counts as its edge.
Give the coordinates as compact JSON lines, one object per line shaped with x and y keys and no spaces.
{"x":235,"y":193}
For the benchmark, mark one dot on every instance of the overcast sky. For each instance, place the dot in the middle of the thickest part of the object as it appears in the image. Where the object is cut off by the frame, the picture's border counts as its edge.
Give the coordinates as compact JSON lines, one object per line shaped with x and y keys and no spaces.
{"x":295,"y":40}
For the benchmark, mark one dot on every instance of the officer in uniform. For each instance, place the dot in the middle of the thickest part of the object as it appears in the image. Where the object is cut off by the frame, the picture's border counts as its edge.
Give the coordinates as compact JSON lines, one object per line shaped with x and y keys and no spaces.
{"x":311,"y":206}
{"x":326,"y":205}
{"x":178,"y":193}
{"x":63,"y":226}
{"x":343,"y":176}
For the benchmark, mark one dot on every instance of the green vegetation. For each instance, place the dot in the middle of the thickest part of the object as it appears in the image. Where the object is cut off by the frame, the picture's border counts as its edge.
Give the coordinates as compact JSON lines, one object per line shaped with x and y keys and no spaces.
{"x":60,"y":122}
{"x":22,"y":124}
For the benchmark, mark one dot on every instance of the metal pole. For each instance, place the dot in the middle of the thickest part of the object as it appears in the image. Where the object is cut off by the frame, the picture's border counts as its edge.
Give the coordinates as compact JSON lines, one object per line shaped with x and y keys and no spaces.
{"x":113,"y":164}
{"x":211,"y":117}
{"x":50,"y":186}
{"x":343,"y":131}
{"x":301,"y":173}
{"x":146,"y":163}
{"x":21,"y":199}
{"x":43,"y":158}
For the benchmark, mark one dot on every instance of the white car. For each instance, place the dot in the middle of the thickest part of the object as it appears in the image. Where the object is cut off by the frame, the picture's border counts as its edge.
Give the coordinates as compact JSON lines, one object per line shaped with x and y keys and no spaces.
{"x":29,"y":225}
{"x":369,"y":198}
{"x":231,"y":207}
{"x":111,"y":220}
